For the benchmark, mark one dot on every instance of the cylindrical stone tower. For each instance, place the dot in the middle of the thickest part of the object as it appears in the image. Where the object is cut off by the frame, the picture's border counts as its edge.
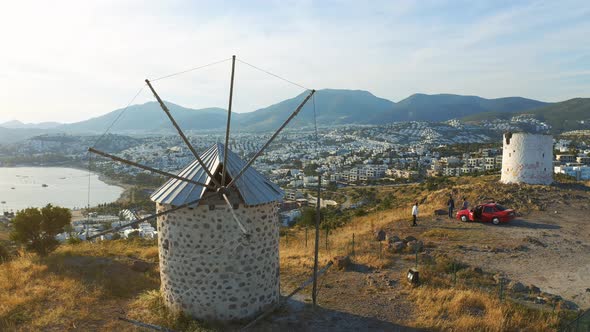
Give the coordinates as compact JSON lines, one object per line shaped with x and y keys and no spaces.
{"x":209,"y":268}
{"x":527,"y":158}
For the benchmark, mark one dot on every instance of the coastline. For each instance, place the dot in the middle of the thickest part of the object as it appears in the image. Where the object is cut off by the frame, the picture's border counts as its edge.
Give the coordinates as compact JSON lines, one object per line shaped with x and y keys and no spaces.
{"x":101,"y":177}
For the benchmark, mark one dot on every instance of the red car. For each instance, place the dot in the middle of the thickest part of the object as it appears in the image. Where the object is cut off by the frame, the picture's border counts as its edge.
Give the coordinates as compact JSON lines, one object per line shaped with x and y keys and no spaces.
{"x":493,"y":212}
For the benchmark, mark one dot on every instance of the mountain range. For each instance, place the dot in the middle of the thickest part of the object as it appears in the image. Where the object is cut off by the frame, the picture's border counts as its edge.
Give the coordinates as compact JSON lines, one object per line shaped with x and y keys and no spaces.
{"x":332,"y":107}
{"x":15,"y":124}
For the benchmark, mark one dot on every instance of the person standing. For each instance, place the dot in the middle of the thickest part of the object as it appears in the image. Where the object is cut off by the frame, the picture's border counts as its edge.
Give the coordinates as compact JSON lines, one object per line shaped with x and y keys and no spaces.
{"x":451,"y":205}
{"x":465,"y":205}
{"x":414,"y":214}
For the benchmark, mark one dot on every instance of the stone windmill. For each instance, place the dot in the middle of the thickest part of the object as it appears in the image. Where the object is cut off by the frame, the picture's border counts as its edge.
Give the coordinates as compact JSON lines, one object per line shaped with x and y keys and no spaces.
{"x":218,"y":230}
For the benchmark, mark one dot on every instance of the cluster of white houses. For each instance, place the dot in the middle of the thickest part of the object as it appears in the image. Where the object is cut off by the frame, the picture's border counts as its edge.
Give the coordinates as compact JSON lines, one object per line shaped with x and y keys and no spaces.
{"x":491,"y":159}
{"x":95,"y":224}
{"x":577,"y":166}
{"x":360,"y":173}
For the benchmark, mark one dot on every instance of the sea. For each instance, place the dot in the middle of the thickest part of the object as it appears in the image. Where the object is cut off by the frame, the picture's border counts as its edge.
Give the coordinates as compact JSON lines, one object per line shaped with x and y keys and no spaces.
{"x":22,"y":187}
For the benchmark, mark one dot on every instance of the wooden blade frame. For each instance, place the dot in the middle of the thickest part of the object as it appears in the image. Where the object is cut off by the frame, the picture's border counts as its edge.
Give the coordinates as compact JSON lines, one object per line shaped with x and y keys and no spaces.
{"x":186,"y":141}
{"x":231,"y":209}
{"x":220,"y":187}
{"x":231,"y":94}
{"x":297,"y":110}
{"x":112,"y":230}
{"x":138,"y":221}
{"x":147,"y":168}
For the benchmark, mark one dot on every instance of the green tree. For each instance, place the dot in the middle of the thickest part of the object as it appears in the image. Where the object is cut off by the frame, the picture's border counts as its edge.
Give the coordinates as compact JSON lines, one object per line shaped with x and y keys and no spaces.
{"x":36,"y":228}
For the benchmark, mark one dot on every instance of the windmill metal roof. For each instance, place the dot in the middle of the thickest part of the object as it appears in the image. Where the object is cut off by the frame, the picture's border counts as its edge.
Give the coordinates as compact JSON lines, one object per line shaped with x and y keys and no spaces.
{"x":253,"y":187}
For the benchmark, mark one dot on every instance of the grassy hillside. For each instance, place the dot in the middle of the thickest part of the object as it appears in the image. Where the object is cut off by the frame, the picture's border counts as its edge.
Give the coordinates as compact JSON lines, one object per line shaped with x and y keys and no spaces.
{"x":442,"y":107}
{"x":87,"y":286}
{"x":566,"y":115}
{"x":562,"y":116}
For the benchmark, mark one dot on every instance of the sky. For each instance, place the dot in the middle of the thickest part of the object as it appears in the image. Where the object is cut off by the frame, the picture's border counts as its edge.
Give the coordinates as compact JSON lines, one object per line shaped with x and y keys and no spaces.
{"x":68,"y":61}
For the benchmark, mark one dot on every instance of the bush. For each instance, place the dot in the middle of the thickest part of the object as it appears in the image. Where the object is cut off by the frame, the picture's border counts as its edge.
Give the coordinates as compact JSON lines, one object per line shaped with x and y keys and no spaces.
{"x":4,"y":254}
{"x":73,"y":240}
{"x":36,"y":228}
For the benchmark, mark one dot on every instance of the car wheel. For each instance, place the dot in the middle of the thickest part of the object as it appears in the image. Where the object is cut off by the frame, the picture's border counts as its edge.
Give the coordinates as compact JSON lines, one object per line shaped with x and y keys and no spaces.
{"x":495,"y":221}
{"x":464,"y":218}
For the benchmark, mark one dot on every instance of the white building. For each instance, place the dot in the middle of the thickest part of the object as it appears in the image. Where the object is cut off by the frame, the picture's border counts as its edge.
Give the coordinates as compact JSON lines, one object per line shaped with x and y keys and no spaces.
{"x":579,"y":172}
{"x":527,"y":158}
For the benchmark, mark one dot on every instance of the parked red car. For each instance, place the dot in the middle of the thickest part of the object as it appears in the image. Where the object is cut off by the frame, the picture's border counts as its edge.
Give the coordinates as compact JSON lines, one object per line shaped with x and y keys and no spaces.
{"x":489,"y":212}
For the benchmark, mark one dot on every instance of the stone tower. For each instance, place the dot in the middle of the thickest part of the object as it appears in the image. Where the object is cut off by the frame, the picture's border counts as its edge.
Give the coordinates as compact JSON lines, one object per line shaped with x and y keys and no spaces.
{"x":209,"y":268}
{"x":527,"y":158}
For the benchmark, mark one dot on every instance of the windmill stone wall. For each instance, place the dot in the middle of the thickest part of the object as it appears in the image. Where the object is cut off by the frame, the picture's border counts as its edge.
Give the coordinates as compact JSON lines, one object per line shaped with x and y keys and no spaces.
{"x":527,"y":158}
{"x":210,"y":270}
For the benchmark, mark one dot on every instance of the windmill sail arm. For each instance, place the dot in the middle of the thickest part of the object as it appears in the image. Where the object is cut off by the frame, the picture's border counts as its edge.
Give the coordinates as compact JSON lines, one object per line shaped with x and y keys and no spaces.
{"x":231,"y":94}
{"x":138,"y":221}
{"x":184,"y":138}
{"x":297,"y":110}
{"x":231,"y":209}
{"x":147,"y":168}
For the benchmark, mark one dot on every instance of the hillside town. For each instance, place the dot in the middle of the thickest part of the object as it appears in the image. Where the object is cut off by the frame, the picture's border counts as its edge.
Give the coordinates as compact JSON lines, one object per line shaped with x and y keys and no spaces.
{"x":346,"y":156}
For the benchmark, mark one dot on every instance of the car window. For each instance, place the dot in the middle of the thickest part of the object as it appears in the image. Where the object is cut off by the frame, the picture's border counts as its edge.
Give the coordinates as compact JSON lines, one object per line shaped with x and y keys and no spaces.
{"x":500,"y":207}
{"x":488,"y":209}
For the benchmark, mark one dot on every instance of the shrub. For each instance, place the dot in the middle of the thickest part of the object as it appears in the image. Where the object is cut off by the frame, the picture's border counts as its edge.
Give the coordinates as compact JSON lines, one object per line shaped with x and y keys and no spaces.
{"x":36,"y":228}
{"x":73,"y":240}
{"x":4,"y":254}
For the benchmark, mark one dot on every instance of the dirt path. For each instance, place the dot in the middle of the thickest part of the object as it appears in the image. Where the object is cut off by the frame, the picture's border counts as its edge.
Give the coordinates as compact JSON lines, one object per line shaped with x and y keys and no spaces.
{"x":360,"y":300}
{"x":554,"y":253}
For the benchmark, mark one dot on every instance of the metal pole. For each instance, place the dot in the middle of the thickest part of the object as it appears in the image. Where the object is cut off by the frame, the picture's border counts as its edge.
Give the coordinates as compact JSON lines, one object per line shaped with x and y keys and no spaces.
{"x":327,"y":231}
{"x":353,"y":244}
{"x":305,"y":236}
{"x":231,"y":94}
{"x":317,"y":245}
{"x":286,"y":298}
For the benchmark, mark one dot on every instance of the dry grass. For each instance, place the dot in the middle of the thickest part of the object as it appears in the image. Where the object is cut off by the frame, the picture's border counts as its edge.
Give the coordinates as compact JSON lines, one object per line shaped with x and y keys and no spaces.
{"x":136,"y":248}
{"x":150,"y":307}
{"x":4,"y":233}
{"x":439,"y":304}
{"x":472,"y":310}
{"x":32,"y":298}
{"x":87,"y":285}
{"x":79,"y":286}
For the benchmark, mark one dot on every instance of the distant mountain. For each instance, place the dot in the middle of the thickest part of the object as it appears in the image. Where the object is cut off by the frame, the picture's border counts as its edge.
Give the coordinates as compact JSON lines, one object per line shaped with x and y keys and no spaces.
{"x":567,"y":115}
{"x":332,"y":106}
{"x":11,"y":135}
{"x":15,"y":124}
{"x":442,"y":107}
{"x":149,"y":117}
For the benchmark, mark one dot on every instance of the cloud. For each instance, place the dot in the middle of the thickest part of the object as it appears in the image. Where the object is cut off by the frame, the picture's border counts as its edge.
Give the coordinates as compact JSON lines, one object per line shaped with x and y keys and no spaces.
{"x":70,"y":60}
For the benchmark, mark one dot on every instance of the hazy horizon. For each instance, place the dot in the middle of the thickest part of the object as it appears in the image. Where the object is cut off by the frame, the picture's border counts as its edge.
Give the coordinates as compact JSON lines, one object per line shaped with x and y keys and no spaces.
{"x":70,"y":61}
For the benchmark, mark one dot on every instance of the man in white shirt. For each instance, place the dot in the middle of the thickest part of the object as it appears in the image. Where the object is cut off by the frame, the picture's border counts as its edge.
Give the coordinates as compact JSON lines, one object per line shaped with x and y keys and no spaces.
{"x":414,"y":214}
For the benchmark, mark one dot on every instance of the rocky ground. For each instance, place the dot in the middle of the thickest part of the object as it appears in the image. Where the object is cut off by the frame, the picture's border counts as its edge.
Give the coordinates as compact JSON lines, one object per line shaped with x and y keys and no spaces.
{"x":542,"y":256}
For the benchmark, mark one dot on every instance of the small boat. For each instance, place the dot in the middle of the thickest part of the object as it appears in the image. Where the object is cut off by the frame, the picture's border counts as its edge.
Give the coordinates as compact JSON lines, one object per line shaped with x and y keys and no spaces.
{"x":12,"y":188}
{"x":44,"y":185}
{"x":3,"y":202}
